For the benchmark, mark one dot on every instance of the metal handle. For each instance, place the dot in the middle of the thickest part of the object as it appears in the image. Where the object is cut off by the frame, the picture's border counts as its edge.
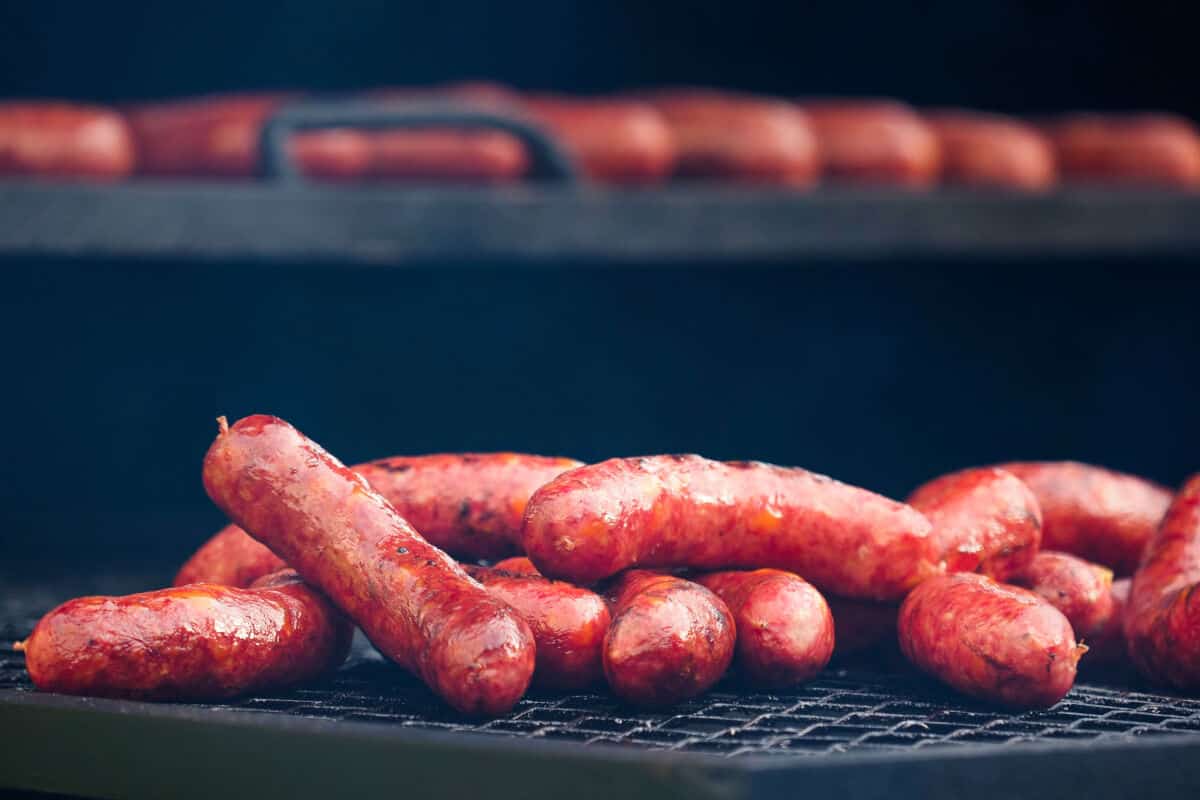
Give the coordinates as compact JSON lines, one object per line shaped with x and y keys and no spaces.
{"x":547,"y":159}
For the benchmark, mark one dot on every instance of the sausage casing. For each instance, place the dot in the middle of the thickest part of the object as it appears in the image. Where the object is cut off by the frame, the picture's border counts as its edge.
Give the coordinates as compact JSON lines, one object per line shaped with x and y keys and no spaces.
{"x":688,"y":511}
{"x":981,"y":149}
{"x":1148,"y":149}
{"x":64,"y":140}
{"x":874,"y":141}
{"x":413,"y":601}
{"x":1081,"y":590}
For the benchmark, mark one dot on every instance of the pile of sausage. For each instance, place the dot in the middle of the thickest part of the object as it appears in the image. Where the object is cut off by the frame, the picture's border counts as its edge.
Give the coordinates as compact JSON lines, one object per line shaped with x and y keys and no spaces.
{"x":655,"y":574}
{"x":631,"y":138}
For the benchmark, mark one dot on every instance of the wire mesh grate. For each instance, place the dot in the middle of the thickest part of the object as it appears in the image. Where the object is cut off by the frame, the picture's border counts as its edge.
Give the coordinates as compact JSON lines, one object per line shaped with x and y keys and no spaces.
{"x":854,"y":708}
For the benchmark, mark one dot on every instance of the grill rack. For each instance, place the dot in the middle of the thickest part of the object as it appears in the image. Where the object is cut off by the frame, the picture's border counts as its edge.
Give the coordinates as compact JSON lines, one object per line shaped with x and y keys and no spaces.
{"x":851,"y":712}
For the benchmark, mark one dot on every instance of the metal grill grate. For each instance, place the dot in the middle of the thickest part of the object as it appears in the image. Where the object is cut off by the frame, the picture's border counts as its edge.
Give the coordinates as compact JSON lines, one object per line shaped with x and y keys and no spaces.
{"x":851,"y":709}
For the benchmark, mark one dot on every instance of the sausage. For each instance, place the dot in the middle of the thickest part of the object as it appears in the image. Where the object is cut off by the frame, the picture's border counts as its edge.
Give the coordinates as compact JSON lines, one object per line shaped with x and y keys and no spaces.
{"x":861,"y":625}
{"x":670,"y":638}
{"x":413,"y":602}
{"x":229,"y":558}
{"x":688,"y":511}
{"x":1094,"y":513}
{"x":1107,"y":647}
{"x":613,"y":141}
{"x":568,"y":625}
{"x":517,"y":565}
{"x":198,"y":642}
{"x":63,"y":140}
{"x":984,"y":520}
{"x":217,"y":136}
{"x":981,"y":149}
{"x":1148,"y":149}
{"x":738,"y":137}
{"x":874,"y":141}
{"x":995,"y":642}
{"x":1081,"y":590}
{"x":1162,"y":619}
{"x":468,"y":504}
{"x":784,"y":628}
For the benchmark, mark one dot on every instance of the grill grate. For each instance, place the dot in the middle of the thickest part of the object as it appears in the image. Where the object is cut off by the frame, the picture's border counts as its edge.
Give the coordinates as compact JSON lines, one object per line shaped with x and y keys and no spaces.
{"x":856,"y":708}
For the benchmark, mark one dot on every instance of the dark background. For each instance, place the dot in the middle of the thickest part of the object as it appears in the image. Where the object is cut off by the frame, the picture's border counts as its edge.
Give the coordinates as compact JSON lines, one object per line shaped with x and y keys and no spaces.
{"x":882,"y":373}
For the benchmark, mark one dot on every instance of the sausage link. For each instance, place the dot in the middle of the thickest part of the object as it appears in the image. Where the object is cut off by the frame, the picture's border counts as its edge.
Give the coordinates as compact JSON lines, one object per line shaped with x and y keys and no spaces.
{"x":193,"y":642}
{"x":981,"y":149}
{"x":614,"y":141}
{"x":874,"y":141}
{"x":1081,"y":590}
{"x":414,"y":603}
{"x":230,"y":558}
{"x":1162,"y":620}
{"x":999,"y":643}
{"x":1107,"y":648}
{"x":861,"y":625}
{"x":468,"y":504}
{"x":1094,"y":513}
{"x":1150,"y":149}
{"x":688,"y":511}
{"x":63,"y":140}
{"x":568,"y":624}
{"x":739,"y":137}
{"x":984,"y":520}
{"x":517,"y":565}
{"x":670,"y":639}
{"x":217,"y":136}
{"x":784,"y":627}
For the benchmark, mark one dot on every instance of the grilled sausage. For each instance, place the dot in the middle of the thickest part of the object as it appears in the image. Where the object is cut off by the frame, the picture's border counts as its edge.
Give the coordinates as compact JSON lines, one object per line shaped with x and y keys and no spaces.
{"x":740,"y":138}
{"x":688,"y":511}
{"x":784,"y":628}
{"x":63,"y":140}
{"x":1094,"y":513}
{"x":1162,"y":619}
{"x":413,"y":602}
{"x":1107,"y":647}
{"x":568,"y":624}
{"x":468,"y":504}
{"x":613,"y":141}
{"x":981,"y":149}
{"x":861,"y":625}
{"x":1148,"y":149}
{"x":188,"y":643}
{"x":670,"y":639}
{"x":517,"y":565}
{"x":217,"y":136}
{"x":999,"y":643}
{"x":874,"y":141}
{"x":1081,"y":590}
{"x":229,"y":558}
{"x":984,"y":520}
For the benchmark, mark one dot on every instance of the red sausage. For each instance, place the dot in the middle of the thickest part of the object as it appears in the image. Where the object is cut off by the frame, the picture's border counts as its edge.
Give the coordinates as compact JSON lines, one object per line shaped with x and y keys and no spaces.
{"x":62,"y":140}
{"x":614,"y":141}
{"x":568,"y":625}
{"x":217,"y":136}
{"x":517,"y":565}
{"x":1092,"y":512}
{"x":739,"y":137}
{"x":995,"y":642}
{"x":1149,"y":149}
{"x":670,"y":639}
{"x":688,"y":511}
{"x":984,"y":520}
{"x":468,"y":504}
{"x":413,"y":601}
{"x":188,"y":643}
{"x":1081,"y":590}
{"x":229,"y":558}
{"x":784,"y":628}
{"x":981,"y":149}
{"x":861,"y":625}
{"x":874,"y":141}
{"x":1108,"y":646}
{"x":1162,"y":620}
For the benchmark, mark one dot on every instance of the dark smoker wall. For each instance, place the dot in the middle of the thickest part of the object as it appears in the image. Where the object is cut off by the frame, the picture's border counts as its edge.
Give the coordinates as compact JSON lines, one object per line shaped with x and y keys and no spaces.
{"x":1015,"y":55}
